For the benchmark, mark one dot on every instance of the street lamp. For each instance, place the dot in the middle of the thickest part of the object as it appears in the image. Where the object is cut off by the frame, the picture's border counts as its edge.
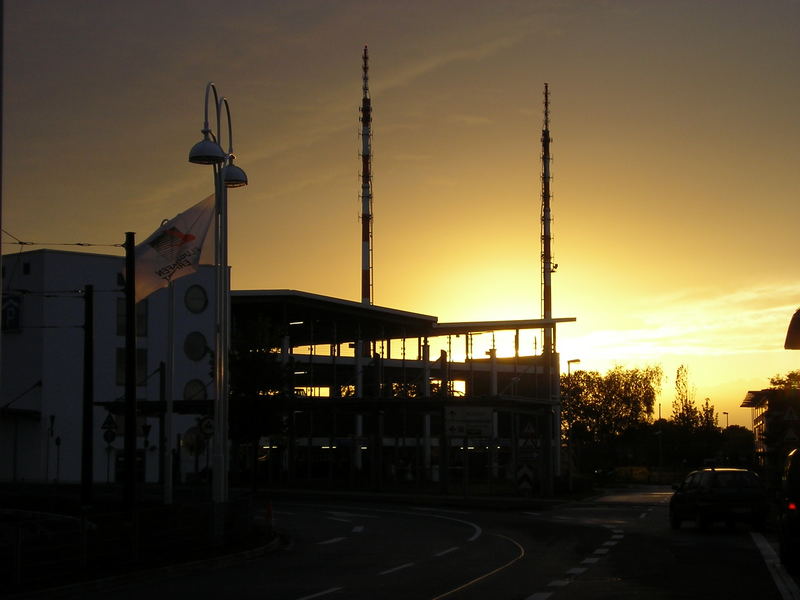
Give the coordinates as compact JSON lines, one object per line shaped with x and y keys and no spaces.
{"x":209,"y":152}
{"x":570,"y":363}
{"x":726,"y":419}
{"x":793,"y":332}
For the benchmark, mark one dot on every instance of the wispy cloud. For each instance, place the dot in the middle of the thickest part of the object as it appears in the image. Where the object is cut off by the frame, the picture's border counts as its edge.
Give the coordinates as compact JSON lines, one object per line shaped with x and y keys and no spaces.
{"x":433,"y":62}
{"x":747,"y":321}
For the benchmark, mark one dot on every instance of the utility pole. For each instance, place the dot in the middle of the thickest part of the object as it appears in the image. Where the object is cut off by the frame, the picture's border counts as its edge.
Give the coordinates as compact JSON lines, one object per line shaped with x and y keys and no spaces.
{"x":130,"y":373}
{"x":87,"y":445}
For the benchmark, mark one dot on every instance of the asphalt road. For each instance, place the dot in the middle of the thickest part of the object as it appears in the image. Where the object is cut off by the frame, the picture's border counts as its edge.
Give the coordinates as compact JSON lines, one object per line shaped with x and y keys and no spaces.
{"x":618,"y":545}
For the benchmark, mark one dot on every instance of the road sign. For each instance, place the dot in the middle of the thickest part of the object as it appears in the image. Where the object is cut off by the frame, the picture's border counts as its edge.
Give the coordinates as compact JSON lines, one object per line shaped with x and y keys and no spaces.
{"x":109,"y":424}
{"x":468,"y":421}
{"x":528,"y":448}
{"x":524,"y":477}
{"x":109,"y":436}
{"x":206,"y":425}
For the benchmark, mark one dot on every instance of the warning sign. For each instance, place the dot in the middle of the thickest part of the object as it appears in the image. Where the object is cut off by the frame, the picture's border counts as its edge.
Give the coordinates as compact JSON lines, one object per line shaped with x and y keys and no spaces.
{"x":528,"y":445}
{"x":109,"y":424}
{"x":469,"y":421}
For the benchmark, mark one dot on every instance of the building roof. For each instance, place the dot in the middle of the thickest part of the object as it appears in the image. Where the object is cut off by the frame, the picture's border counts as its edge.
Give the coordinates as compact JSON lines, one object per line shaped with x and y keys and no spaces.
{"x":317,"y":319}
{"x":479,"y":326}
{"x":759,"y":398}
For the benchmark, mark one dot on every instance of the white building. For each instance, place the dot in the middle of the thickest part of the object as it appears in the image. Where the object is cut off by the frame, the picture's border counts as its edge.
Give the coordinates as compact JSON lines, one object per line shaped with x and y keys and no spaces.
{"x":41,"y":381}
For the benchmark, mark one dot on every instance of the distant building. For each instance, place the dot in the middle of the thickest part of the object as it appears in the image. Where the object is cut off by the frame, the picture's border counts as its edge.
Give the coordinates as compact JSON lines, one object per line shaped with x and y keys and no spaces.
{"x":776,"y":425}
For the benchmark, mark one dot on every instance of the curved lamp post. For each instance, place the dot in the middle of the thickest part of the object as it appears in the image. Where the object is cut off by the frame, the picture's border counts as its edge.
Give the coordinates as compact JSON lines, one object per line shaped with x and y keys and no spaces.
{"x":570,"y":363}
{"x":209,"y":152}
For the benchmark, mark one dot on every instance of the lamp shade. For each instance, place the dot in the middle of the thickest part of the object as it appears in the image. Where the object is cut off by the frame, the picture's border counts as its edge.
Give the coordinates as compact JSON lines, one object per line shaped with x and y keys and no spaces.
{"x":793,"y":333}
{"x":206,"y":152}
{"x":233,"y":176}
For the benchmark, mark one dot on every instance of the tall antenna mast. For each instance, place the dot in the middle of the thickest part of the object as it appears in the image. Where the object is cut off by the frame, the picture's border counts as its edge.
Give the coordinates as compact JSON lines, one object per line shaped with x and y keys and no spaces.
{"x":547,"y":259}
{"x":366,"y":187}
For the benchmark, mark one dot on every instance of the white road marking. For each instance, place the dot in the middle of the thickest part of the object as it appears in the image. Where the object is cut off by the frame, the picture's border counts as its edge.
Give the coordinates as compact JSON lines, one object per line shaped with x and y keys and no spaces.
{"x":783,"y":581}
{"x":490,"y":573}
{"x":346,"y":515}
{"x":444,"y":510}
{"x":338,"y":519}
{"x":610,"y":543}
{"x":331,"y":541}
{"x":398,"y":568}
{"x":643,"y":515}
{"x":577,"y":571}
{"x":476,"y":527}
{"x":589,"y":561}
{"x":533,"y":514}
{"x":540,"y":596}
{"x":322,"y":593}
{"x":358,"y":529}
{"x":617,"y":531}
{"x":617,"y":537}
{"x":601,"y":551}
{"x":448,"y":551}
{"x":558,"y":583}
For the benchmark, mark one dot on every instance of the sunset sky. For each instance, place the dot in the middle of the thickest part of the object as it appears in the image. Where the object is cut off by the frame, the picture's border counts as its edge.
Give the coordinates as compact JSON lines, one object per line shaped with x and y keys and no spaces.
{"x":676,"y":147}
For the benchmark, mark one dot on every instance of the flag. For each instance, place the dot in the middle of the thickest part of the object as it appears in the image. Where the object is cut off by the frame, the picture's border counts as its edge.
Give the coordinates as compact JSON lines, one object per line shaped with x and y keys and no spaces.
{"x":174,"y":249}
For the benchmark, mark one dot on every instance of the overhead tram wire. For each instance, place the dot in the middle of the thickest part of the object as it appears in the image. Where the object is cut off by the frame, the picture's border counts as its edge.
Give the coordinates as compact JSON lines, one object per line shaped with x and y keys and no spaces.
{"x":19,"y":242}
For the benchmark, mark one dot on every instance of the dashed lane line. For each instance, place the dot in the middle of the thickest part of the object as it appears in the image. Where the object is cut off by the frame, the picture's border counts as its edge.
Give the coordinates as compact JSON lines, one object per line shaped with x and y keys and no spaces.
{"x":397,"y":568}
{"x":331,"y":541}
{"x":320,"y":594}
{"x":448,"y":551}
{"x":577,"y":571}
{"x":358,"y":529}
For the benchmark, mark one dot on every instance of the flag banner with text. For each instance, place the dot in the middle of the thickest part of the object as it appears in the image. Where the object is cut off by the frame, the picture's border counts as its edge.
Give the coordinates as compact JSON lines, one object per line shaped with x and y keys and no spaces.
{"x":174,"y":249}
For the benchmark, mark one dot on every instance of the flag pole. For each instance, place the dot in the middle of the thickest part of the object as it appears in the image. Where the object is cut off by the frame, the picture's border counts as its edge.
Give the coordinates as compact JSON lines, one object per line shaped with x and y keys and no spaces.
{"x":168,"y":387}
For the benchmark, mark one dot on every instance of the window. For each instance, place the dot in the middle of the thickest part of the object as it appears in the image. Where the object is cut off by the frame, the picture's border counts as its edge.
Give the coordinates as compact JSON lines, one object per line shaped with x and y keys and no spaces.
{"x":12,"y":312}
{"x":195,"y":345}
{"x":195,"y":390}
{"x":141,"y":317}
{"x":196,"y":299}
{"x":141,"y":366}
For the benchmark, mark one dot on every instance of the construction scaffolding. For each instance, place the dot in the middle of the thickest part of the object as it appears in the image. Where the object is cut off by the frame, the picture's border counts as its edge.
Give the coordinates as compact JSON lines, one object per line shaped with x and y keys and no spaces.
{"x":350,"y":394}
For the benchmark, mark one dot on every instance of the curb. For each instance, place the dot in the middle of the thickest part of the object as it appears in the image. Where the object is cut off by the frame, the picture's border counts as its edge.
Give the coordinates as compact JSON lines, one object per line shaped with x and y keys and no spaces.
{"x":113,"y":581}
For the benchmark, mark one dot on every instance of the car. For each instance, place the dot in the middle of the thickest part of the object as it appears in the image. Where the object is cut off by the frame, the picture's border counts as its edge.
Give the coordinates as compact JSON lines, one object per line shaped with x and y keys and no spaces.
{"x":726,"y":495}
{"x":788,"y":512}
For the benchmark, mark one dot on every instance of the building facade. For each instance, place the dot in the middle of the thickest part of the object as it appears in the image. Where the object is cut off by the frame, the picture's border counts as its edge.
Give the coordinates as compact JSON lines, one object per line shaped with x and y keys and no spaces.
{"x":42,"y":385}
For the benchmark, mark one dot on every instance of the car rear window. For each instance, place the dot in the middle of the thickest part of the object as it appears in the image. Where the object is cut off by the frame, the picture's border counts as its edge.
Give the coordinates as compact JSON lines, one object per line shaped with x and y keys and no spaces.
{"x":736,"y":479}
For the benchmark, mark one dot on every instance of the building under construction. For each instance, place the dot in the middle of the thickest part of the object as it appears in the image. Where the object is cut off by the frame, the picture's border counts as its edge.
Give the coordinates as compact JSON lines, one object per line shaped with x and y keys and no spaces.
{"x":345,"y":392}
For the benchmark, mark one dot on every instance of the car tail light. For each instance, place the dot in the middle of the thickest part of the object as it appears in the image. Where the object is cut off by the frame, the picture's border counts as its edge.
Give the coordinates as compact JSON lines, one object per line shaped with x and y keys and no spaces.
{"x":791,"y":506}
